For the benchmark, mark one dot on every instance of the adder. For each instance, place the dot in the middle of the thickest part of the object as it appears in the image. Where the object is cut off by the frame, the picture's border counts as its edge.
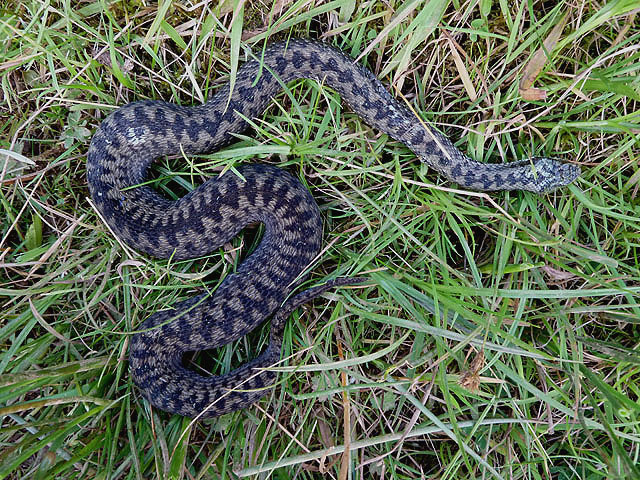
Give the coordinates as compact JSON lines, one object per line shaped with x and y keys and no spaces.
{"x":133,"y":136}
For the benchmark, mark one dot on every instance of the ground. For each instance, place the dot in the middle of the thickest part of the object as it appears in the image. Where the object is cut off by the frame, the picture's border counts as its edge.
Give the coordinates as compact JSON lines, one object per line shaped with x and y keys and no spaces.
{"x":498,"y":337}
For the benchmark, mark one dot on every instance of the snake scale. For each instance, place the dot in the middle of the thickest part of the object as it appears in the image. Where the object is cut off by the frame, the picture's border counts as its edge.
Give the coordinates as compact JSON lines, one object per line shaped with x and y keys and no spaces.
{"x":133,"y":136}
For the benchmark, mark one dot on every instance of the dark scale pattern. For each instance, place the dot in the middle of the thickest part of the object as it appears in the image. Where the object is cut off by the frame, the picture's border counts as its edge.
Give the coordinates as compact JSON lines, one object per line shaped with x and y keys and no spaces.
{"x":134,"y":135}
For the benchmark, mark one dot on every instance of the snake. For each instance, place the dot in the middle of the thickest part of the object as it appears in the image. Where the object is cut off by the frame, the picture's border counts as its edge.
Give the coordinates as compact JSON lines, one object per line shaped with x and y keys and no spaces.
{"x":263,"y":286}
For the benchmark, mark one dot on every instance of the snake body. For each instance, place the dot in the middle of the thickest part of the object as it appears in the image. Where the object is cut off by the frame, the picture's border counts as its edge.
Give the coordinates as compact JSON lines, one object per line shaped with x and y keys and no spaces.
{"x":133,"y":136}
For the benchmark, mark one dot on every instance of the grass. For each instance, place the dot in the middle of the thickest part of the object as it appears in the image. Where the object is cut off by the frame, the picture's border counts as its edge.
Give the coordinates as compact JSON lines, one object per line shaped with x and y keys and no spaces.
{"x":499,"y":336}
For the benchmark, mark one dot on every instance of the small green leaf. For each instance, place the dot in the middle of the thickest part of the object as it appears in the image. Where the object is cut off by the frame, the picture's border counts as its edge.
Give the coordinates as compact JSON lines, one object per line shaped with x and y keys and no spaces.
{"x":173,"y":34}
{"x":485,"y":7}
{"x":179,"y":456}
{"x":33,"y":238}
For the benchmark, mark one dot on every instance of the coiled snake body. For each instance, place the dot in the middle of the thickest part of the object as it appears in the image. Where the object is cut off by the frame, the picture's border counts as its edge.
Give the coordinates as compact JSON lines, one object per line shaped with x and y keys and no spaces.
{"x":129,"y":140}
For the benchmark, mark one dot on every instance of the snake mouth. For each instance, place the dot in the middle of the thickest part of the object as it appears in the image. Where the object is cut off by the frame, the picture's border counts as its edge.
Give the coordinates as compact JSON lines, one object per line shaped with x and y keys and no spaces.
{"x":551,"y":173}
{"x":569,"y":173}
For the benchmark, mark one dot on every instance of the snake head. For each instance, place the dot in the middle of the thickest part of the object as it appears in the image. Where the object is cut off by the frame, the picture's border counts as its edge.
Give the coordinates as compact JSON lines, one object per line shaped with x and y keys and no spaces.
{"x":547,"y":174}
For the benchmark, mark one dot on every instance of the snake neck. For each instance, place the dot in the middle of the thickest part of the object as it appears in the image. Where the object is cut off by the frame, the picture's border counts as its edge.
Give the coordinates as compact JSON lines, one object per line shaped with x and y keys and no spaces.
{"x":261,"y":79}
{"x":367,"y":97}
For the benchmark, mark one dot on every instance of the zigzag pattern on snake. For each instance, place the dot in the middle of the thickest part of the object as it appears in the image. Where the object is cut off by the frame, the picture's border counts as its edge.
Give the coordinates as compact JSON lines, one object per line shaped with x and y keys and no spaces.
{"x":133,"y":136}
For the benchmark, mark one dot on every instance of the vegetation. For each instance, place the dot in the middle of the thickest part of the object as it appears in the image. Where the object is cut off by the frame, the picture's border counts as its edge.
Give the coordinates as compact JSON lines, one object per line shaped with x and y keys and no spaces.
{"x":498,"y":337}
